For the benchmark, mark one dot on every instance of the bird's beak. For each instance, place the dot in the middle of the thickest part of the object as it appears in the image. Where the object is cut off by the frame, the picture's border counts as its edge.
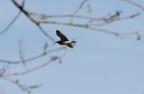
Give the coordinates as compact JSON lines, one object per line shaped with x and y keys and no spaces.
{"x":54,"y":43}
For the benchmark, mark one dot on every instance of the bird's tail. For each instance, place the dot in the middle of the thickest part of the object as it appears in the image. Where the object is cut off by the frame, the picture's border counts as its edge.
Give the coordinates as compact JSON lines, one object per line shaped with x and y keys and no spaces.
{"x":73,"y":41}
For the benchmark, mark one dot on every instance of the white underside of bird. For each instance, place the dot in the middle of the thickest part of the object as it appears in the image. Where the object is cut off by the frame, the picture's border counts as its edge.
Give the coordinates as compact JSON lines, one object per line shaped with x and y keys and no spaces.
{"x":68,"y":42}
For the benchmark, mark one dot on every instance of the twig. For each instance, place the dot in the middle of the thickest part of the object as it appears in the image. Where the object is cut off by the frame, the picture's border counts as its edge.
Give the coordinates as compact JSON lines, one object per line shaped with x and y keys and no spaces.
{"x":14,"y":19}
{"x":89,"y":8}
{"x":21,"y":55}
{"x":22,"y":86}
{"x":45,"y":47}
{"x":3,"y":70}
{"x":78,"y":9}
{"x":45,"y":33}
{"x":32,"y":58}
{"x":135,"y":4}
{"x":33,"y":69}
{"x":11,"y":23}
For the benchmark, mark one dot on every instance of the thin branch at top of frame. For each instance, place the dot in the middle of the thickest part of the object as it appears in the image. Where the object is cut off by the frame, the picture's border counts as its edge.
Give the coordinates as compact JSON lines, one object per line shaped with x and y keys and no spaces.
{"x":135,"y":4}
{"x":79,"y":8}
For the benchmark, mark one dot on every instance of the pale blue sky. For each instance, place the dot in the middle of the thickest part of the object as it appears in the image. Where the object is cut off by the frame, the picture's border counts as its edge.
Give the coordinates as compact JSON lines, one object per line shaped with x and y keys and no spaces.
{"x":100,"y":63}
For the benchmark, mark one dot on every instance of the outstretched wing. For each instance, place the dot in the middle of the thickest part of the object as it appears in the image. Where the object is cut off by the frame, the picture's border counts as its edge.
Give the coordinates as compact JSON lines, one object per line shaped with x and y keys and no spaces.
{"x":69,"y":45}
{"x":61,"y":35}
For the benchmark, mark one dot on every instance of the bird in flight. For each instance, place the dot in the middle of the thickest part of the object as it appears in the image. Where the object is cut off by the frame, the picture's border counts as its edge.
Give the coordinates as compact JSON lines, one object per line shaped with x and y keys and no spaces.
{"x":64,"y":40}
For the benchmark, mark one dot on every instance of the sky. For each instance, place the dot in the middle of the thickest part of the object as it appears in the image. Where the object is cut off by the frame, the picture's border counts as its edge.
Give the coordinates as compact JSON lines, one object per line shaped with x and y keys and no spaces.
{"x":100,"y":63}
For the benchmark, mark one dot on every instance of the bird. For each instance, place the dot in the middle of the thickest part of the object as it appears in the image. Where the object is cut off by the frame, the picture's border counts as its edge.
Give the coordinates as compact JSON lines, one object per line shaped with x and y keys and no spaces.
{"x":64,"y":40}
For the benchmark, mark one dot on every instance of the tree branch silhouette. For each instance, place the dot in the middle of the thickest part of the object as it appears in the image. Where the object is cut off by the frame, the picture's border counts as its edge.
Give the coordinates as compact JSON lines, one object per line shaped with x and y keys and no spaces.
{"x":135,"y":4}
{"x":32,"y":19}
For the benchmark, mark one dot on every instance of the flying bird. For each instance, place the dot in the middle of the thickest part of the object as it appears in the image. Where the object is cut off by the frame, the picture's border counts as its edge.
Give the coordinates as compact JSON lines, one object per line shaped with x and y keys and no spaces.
{"x":64,"y":40}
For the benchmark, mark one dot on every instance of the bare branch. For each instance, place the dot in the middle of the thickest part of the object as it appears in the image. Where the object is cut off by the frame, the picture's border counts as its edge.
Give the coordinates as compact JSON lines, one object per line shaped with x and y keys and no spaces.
{"x":32,"y":58}
{"x":89,"y":8}
{"x":24,"y":11}
{"x":97,"y":21}
{"x":21,"y":55}
{"x":79,"y":7}
{"x":87,"y":26}
{"x":11,"y":23}
{"x":32,"y":19}
{"x":3,"y":70}
{"x":51,"y":59}
{"x":45,"y":47}
{"x":22,"y":86}
{"x":33,"y":69}
{"x":45,"y":32}
{"x":14,"y":19}
{"x":135,"y":4}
